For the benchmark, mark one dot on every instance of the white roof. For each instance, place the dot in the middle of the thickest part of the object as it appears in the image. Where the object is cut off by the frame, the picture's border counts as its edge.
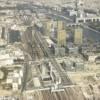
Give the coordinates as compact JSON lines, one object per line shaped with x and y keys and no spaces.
{"x":14,"y":27}
{"x":4,"y":56}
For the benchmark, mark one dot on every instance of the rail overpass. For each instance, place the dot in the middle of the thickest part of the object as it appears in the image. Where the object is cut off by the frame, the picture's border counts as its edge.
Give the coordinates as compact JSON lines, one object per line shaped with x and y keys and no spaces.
{"x":73,"y":24}
{"x":88,"y":19}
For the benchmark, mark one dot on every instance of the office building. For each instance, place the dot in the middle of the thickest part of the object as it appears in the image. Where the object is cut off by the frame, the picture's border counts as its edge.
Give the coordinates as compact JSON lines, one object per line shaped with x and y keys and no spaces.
{"x":61,"y":38}
{"x":78,"y":35}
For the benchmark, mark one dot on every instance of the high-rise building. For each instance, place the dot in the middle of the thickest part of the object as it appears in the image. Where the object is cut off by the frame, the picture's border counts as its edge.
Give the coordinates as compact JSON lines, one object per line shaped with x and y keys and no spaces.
{"x":60,"y":25}
{"x":48,"y":26}
{"x":3,"y":33}
{"x":78,"y":35}
{"x":14,"y":36}
{"x":61,"y":38}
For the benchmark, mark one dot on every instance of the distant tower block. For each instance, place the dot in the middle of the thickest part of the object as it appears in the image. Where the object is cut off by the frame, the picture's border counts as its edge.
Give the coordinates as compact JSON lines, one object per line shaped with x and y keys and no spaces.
{"x":3,"y":33}
{"x":14,"y":36}
{"x":61,"y":38}
{"x":60,"y":25}
{"x":78,"y":35}
{"x":48,"y":27}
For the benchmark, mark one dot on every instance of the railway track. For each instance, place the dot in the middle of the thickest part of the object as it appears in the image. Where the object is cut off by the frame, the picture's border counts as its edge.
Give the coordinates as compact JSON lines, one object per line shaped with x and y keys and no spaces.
{"x":65,"y":79}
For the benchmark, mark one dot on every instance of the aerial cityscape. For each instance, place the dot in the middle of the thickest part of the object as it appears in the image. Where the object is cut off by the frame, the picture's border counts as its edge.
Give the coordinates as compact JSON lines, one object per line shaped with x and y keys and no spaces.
{"x":49,"y":49}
